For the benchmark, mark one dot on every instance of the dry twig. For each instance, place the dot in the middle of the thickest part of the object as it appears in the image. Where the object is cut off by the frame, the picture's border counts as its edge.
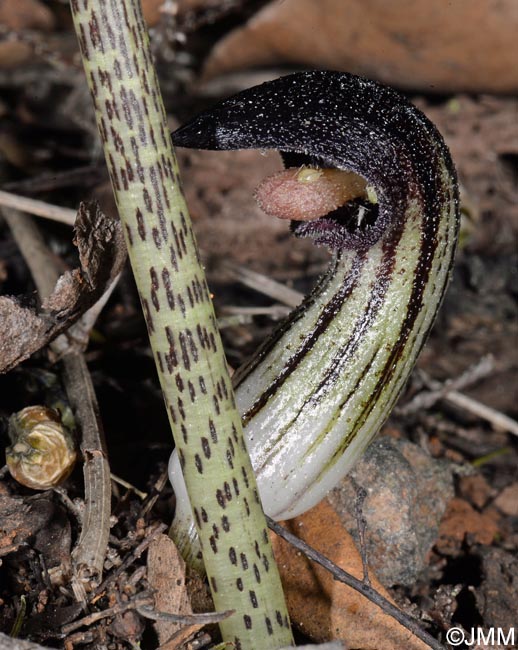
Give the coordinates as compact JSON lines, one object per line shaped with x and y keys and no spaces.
{"x":139,"y":601}
{"x":449,"y":392}
{"x":90,"y":550}
{"x":264,"y":284}
{"x":361,"y":586}
{"x":128,"y":561}
{"x":184,"y":619}
{"x":38,"y":208}
{"x":102,"y":255}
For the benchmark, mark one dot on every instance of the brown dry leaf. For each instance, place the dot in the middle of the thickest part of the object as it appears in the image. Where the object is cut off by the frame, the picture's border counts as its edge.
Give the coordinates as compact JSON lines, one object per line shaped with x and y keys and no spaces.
{"x":151,"y":11}
{"x":14,"y":53}
{"x":26,"y":14}
{"x":17,"y":17}
{"x":413,"y":44}
{"x":166,"y":574}
{"x":324,"y":608}
{"x":461,"y":520}
{"x":102,"y":253}
{"x":507,"y":500}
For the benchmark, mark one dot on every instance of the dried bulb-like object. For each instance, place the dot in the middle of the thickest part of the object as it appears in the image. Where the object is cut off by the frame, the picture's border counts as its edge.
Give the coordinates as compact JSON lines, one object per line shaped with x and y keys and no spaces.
{"x":42,"y":452}
{"x":307,"y":193}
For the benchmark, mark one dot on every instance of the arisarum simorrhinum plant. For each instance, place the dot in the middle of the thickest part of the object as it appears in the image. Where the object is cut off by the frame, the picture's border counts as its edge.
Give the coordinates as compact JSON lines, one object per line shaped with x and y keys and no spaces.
{"x":321,"y":386}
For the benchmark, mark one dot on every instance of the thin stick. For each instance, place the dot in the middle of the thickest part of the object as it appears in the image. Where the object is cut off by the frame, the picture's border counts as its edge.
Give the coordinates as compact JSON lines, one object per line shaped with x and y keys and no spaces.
{"x":90,"y":550}
{"x":69,"y":504}
{"x":129,"y":559}
{"x":56,"y":180}
{"x":141,"y":600}
{"x":42,"y":264}
{"x":361,"y":524}
{"x":273,"y":311}
{"x":358,"y":585}
{"x":128,"y":486}
{"x":438,"y":390}
{"x":184,"y":619}
{"x":264,"y":284}
{"x":154,"y":493}
{"x":497,"y":419}
{"x":38,"y":208}
{"x":448,"y":391}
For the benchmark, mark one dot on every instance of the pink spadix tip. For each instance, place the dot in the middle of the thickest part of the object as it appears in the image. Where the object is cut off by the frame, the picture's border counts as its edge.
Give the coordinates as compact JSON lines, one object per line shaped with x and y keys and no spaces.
{"x":307,"y":193}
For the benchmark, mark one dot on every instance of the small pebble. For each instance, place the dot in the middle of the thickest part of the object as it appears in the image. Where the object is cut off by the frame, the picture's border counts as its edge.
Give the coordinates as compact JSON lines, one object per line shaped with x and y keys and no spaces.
{"x":407,"y":494}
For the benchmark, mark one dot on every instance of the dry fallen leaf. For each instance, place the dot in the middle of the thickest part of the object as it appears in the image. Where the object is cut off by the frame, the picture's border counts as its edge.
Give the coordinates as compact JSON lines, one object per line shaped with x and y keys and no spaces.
{"x":413,"y":44}
{"x":26,"y":14}
{"x":14,"y":53}
{"x":102,"y":253}
{"x":16,"y":17}
{"x":152,"y":11}
{"x":507,"y":500}
{"x":324,"y":608}
{"x":166,"y":574}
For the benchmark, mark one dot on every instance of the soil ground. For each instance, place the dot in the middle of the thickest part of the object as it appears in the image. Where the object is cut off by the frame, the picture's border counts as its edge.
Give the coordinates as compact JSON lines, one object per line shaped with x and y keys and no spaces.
{"x":49,"y":150}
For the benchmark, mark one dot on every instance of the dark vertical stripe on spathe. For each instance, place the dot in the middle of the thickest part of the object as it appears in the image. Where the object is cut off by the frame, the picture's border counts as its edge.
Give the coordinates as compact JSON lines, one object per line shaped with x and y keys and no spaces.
{"x":325,"y":319}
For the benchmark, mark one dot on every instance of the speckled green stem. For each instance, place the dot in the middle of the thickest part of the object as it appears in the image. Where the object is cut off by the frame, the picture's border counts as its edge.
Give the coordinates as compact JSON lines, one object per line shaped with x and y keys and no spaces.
{"x":181,"y":323}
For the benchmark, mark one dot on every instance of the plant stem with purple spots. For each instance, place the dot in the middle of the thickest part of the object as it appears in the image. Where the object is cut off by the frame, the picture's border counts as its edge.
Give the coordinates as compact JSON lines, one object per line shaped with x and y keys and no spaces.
{"x":182,"y":328}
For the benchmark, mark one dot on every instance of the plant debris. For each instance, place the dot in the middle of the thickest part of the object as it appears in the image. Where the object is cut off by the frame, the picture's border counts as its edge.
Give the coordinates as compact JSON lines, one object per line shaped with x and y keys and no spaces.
{"x":102,"y":253}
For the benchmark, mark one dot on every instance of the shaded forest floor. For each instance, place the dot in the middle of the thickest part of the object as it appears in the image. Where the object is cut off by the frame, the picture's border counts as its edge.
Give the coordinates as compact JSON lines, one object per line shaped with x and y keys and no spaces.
{"x":49,"y":151}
